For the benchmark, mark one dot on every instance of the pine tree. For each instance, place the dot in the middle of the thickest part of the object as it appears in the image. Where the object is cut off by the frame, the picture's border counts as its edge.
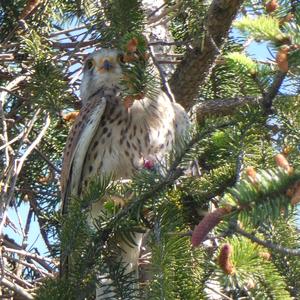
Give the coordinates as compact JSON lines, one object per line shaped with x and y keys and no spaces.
{"x":221,"y":217}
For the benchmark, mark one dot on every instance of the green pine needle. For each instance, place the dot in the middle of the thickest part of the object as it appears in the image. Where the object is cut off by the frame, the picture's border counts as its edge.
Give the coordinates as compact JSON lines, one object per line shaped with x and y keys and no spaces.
{"x":261,"y":28}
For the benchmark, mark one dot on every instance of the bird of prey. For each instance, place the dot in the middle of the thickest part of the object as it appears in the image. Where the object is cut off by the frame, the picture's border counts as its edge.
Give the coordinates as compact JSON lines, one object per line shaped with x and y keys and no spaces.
{"x":108,"y":138}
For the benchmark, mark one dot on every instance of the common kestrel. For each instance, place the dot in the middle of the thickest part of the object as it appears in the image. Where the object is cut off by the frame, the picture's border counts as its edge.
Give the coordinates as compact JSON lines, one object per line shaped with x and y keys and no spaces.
{"x":107,"y":138}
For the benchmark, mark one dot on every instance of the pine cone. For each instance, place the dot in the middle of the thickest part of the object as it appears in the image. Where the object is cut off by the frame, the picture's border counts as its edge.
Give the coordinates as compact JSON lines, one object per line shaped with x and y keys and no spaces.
{"x":224,"y":259}
{"x":210,"y":221}
{"x":132,"y":45}
{"x":282,"y":162}
{"x":271,"y":6}
{"x":282,"y":59}
{"x":251,"y":173}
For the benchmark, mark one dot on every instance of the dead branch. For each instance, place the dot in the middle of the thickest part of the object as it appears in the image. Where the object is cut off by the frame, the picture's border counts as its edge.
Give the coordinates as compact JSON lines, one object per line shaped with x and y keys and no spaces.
{"x":41,"y":222}
{"x":11,"y":244}
{"x":35,"y":256}
{"x":3,"y":96}
{"x":155,"y":20}
{"x":56,"y":33}
{"x":29,"y":265}
{"x":16,"y":288}
{"x":19,"y":280}
{"x":14,"y":168}
{"x":75,"y":44}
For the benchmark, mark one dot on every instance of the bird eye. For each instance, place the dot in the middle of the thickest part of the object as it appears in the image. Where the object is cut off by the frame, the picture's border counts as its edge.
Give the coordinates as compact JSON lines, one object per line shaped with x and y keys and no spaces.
{"x":89,"y":64}
{"x":121,"y":58}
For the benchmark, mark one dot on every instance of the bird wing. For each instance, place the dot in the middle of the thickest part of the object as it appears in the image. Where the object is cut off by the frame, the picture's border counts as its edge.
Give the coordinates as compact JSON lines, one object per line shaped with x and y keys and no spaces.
{"x":182,"y":123}
{"x":78,"y":141}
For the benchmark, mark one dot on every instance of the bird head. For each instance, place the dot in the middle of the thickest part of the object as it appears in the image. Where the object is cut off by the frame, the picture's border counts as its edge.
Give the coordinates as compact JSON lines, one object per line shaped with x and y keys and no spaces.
{"x":102,"y":69}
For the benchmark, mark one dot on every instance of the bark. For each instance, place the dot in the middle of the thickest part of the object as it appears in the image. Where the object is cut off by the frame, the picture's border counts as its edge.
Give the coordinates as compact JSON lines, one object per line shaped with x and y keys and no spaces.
{"x":197,"y":63}
{"x":224,"y":107}
{"x":227,"y":107}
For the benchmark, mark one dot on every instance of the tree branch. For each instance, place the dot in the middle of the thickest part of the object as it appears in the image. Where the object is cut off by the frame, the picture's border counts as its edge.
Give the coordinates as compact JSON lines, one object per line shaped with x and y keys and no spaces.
{"x":47,"y":160}
{"x":273,"y":91}
{"x":15,"y":287}
{"x":42,"y":224}
{"x":9,"y":245}
{"x":267,"y":244}
{"x":75,"y":44}
{"x":197,"y":63}
{"x":224,"y":107}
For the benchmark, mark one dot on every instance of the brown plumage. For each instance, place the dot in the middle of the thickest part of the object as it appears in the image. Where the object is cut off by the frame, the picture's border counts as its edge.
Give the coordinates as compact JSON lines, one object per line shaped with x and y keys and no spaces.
{"x":109,"y":139}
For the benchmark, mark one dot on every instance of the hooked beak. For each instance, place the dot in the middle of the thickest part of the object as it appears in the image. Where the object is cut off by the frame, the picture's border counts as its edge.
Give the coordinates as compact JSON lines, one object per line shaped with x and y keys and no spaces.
{"x":107,"y":65}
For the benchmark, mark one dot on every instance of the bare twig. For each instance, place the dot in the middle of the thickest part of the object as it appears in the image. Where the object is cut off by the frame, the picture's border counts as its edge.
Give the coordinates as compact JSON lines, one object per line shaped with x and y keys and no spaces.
{"x":166,"y":62}
{"x":7,"y":57}
{"x":67,"y":31}
{"x":41,"y":222}
{"x":75,"y":44}
{"x":162,"y":75}
{"x":156,"y":10}
{"x":16,"y":288}
{"x":47,"y":160}
{"x":19,"y":136}
{"x":168,"y":43}
{"x":3,"y":96}
{"x":14,"y":169}
{"x":29,"y":265}
{"x":12,"y":93}
{"x":35,"y":256}
{"x":21,"y":161}
{"x":41,"y":260}
{"x":273,"y":91}
{"x":218,"y":292}
{"x":19,"y":280}
{"x":155,"y":20}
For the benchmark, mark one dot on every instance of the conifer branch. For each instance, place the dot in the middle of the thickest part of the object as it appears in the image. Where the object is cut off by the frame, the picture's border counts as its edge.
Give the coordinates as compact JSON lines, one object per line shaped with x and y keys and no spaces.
{"x":226,"y":107}
{"x":273,"y":91}
{"x":267,"y":244}
{"x":198,"y":62}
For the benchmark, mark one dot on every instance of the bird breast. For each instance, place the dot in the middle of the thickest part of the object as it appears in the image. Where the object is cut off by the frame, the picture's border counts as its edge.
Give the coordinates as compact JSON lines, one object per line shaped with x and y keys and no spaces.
{"x":125,"y":138}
